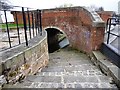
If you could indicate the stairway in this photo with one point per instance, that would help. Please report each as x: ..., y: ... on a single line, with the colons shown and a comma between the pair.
x: 67, y: 68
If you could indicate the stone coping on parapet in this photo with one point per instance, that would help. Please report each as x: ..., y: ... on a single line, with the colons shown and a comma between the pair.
x: 97, y: 21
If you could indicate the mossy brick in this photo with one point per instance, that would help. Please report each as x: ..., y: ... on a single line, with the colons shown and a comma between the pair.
x: 34, y: 49
x: 10, y: 62
x: 40, y: 48
x: 43, y: 42
x: 38, y: 52
x: 28, y: 54
x: 33, y: 54
x: 46, y: 45
x: 14, y: 61
x: 34, y: 57
x: 1, y: 68
x: 43, y: 49
x: 20, y: 59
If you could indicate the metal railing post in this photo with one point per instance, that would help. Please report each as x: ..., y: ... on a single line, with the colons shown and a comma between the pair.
x: 29, y: 22
x: 109, y: 30
x: 25, y: 26
x: 40, y: 20
x: 7, y: 28
x: 33, y: 23
x: 36, y: 21
x: 107, y: 24
x: 30, y: 19
x: 17, y: 27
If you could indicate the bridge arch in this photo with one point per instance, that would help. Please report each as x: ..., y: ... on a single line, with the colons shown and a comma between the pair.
x: 57, y: 28
x: 84, y: 28
x: 56, y: 38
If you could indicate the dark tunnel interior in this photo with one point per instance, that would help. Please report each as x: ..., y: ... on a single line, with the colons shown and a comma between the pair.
x: 54, y: 38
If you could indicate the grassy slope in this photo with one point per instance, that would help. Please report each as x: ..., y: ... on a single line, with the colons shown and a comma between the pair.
x: 3, y: 26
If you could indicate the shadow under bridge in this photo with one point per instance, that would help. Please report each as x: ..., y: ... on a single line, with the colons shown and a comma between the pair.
x: 56, y: 39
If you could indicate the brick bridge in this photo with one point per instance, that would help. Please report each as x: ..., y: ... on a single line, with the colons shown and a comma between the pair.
x: 83, y: 28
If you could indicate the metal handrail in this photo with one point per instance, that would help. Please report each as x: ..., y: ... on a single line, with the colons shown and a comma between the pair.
x: 108, y: 26
x: 28, y: 23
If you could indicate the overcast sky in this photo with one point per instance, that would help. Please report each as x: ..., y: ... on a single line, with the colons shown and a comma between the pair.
x: 110, y: 5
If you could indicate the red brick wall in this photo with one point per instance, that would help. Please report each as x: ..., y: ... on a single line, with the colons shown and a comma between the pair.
x: 77, y: 24
x: 20, y: 17
x: 105, y: 15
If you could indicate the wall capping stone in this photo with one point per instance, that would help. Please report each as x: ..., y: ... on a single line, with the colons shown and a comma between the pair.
x: 97, y: 21
x: 98, y: 24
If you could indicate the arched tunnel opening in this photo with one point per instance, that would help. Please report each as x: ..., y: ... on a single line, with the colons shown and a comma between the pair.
x: 56, y: 39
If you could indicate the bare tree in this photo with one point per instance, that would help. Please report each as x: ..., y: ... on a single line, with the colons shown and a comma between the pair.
x: 5, y: 4
x: 100, y: 9
x: 95, y: 8
x: 65, y: 5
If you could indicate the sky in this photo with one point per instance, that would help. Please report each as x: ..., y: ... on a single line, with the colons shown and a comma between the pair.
x: 109, y: 5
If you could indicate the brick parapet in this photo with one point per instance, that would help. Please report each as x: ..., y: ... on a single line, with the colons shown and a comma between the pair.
x: 84, y: 28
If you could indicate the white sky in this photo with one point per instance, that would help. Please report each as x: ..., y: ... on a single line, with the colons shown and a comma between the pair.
x: 110, y: 5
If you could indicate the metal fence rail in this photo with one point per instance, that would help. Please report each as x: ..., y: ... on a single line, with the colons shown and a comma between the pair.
x: 112, y: 21
x: 109, y: 49
x: 31, y: 20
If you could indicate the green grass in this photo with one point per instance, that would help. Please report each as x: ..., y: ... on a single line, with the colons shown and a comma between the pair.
x: 10, y: 25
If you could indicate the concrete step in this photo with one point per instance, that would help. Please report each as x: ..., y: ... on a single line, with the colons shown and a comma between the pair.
x: 74, y: 70
x: 69, y: 68
x: 73, y: 73
x: 54, y: 86
x: 68, y: 81
x: 106, y: 66
x: 99, y: 55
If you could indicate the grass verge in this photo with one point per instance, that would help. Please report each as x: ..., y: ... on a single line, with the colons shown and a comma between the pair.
x: 10, y: 25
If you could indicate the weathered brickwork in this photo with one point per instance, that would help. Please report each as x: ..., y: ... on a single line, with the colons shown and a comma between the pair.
x: 84, y: 28
x: 20, y: 17
x: 105, y: 15
x: 78, y: 24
